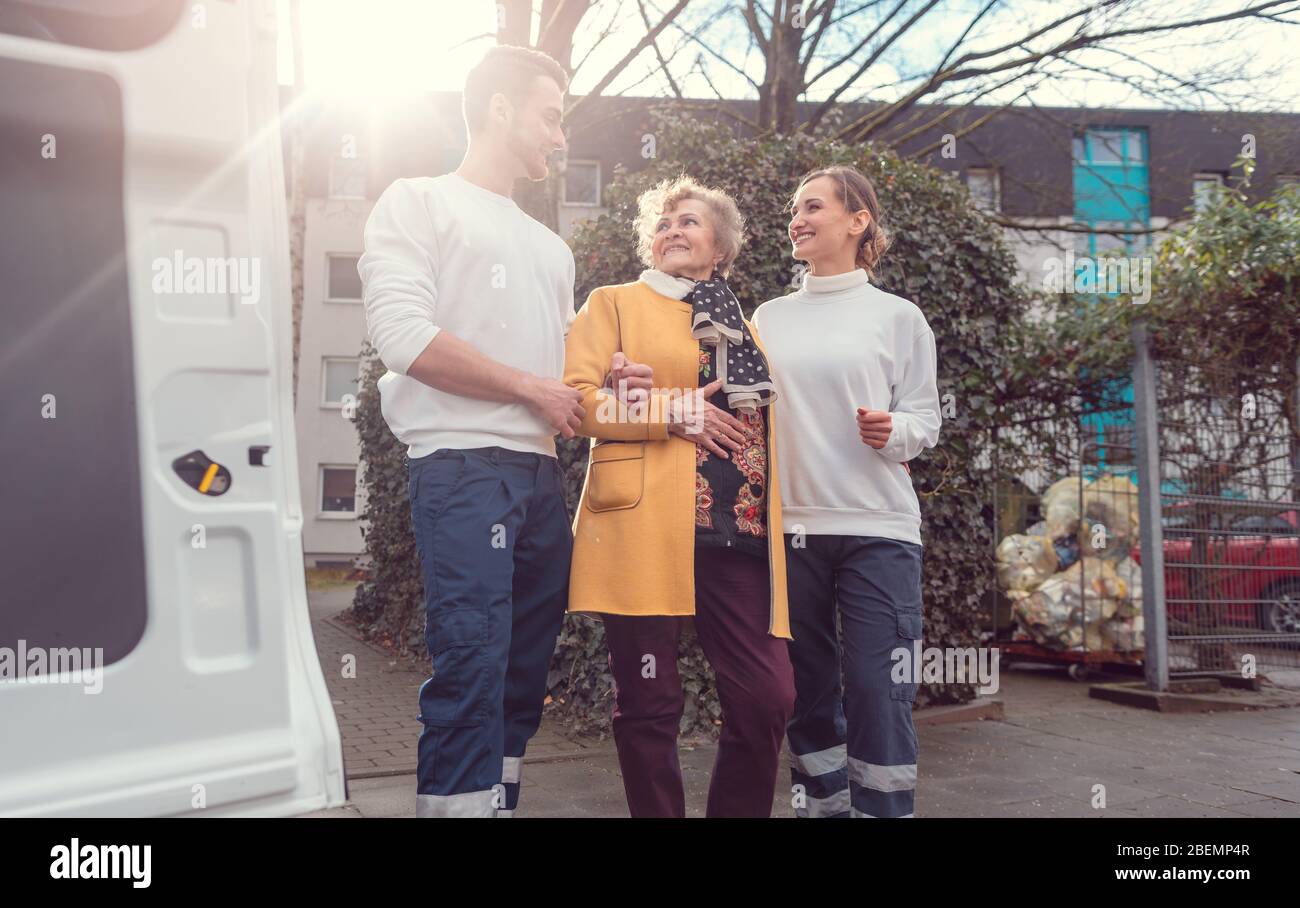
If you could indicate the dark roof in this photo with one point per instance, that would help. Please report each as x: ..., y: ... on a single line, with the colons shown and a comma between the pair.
x: 1031, y: 147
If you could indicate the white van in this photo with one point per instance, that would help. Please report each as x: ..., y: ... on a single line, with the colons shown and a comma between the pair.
x: 149, y: 502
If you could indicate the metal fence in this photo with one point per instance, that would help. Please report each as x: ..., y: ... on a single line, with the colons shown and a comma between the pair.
x: 1162, y: 533
x: 1223, y: 450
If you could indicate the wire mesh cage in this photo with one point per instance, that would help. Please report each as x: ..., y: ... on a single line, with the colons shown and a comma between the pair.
x: 1068, y: 564
x: 1229, y: 455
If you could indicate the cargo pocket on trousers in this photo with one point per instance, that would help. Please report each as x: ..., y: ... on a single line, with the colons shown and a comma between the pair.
x: 455, y: 693
x: 616, y: 476
x: 909, y: 631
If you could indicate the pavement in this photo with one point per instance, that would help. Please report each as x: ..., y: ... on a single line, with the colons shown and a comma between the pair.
x: 1046, y: 758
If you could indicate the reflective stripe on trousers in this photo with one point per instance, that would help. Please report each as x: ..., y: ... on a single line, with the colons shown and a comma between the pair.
x: 468, y: 804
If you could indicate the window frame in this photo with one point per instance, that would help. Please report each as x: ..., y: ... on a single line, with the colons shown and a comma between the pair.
x: 325, y: 402
x: 565, y: 191
x: 328, y: 296
x: 1214, y: 177
x: 320, y: 492
x: 996, y: 179
x: 1092, y: 136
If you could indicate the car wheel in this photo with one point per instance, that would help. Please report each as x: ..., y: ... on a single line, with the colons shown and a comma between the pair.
x: 1281, y: 614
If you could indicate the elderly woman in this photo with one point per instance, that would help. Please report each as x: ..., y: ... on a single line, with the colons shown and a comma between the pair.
x: 681, y: 512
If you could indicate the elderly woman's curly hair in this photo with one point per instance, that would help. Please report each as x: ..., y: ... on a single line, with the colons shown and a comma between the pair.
x: 727, y: 222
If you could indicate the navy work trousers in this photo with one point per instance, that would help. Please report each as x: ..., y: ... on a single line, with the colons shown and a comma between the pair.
x: 852, y: 743
x: 494, y: 542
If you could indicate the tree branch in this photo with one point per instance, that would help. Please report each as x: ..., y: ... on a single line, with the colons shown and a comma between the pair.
x: 629, y: 56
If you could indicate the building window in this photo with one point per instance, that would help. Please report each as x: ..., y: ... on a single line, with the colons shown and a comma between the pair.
x: 1110, y: 146
x: 1111, y: 181
x: 338, y: 491
x: 343, y: 283
x: 985, y: 188
x: 1205, y: 188
x: 339, y: 377
x: 347, y: 177
x: 582, y: 183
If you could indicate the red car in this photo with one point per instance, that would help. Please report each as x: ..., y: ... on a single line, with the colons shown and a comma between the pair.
x: 1247, y: 565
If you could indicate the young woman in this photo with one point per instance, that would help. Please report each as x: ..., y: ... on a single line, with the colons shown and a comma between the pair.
x: 854, y: 369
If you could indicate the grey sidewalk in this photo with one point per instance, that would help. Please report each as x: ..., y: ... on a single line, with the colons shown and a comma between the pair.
x: 1044, y: 759
x: 376, y: 708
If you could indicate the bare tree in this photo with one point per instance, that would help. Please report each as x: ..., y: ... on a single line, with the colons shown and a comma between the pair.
x: 826, y: 50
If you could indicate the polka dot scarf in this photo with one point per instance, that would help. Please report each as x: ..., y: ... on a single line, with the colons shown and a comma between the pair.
x: 717, y: 321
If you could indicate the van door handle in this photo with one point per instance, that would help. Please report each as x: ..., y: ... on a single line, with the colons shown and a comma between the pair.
x: 200, y: 472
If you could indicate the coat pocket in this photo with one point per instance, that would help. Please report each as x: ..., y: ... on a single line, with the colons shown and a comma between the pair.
x: 616, y: 476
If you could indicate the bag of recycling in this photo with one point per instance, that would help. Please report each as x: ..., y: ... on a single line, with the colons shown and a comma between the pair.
x: 1130, y: 572
x: 1060, y: 507
x: 1100, y: 589
x: 1068, y: 609
x: 1024, y: 561
x: 1108, y: 522
x: 1045, y: 614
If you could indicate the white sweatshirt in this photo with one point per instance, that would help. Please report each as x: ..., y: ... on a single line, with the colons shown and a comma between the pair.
x: 836, y: 345
x: 442, y: 252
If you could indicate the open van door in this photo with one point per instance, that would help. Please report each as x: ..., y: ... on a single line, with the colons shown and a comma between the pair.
x: 148, y: 490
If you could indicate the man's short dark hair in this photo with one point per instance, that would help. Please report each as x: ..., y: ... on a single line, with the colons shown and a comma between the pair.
x: 507, y: 70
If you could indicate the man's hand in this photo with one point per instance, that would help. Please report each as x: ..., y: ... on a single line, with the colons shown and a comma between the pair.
x: 874, y: 427
x: 639, y: 379
x: 555, y: 402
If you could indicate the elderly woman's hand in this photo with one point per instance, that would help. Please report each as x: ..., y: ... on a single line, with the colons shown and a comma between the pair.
x: 692, y: 417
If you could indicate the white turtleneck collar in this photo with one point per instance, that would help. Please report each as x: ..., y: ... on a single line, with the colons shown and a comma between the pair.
x: 834, y: 283
x: 667, y: 284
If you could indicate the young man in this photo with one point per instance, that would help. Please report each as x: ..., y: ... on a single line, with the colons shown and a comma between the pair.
x: 467, y: 301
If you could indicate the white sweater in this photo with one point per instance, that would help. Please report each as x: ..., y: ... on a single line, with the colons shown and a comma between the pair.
x: 836, y: 345
x: 442, y: 252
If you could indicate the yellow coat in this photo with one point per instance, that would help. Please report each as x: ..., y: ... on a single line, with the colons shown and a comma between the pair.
x: 634, y: 536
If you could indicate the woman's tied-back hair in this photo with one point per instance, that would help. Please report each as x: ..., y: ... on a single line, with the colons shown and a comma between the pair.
x: 856, y: 193
x: 726, y: 219
x: 509, y: 70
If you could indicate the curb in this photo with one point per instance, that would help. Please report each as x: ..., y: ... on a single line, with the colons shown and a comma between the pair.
x: 977, y: 710
x: 1197, y: 698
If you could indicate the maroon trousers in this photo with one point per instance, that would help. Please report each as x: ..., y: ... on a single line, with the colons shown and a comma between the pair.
x: 755, y: 688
